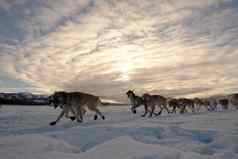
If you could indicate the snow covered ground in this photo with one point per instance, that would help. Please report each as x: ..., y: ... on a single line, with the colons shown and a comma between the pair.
x: 25, y: 134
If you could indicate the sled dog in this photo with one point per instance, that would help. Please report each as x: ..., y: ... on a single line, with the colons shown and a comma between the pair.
x: 76, y: 102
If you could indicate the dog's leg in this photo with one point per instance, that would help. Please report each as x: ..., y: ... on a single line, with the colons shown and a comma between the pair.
x: 97, y: 113
x: 182, y: 110
x: 152, y: 111
x: 193, y: 109
x: 174, y: 109
x: 72, y: 118
x: 161, y: 109
x: 80, y: 112
x: 146, y: 111
x: 58, y: 118
x: 166, y: 108
x: 75, y: 113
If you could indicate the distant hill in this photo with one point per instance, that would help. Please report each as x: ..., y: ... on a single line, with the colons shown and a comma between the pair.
x: 114, y: 104
x: 23, y: 98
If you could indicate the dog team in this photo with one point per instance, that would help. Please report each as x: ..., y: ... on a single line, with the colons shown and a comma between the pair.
x: 75, y: 103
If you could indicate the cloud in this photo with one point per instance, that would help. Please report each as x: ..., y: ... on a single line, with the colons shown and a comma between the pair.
x: 26, y: 20
x: 106, y: 47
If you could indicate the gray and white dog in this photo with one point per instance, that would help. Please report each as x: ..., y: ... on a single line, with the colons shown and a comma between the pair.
x: 151, y: 101
x: 76, y: 102
x: 135, y: 100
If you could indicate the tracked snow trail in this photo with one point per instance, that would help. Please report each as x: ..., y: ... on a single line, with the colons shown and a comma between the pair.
x: 24, y: 133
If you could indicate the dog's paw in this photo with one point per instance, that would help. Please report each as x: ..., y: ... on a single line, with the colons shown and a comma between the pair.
x: 53, y: 123
x: 72, y: 118
x: 79, y: 121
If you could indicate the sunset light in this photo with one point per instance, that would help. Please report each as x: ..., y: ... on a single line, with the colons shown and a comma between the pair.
x: 119, y: 79
x: 185, y: 48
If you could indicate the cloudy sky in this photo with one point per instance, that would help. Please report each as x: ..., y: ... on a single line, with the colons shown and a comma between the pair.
x: 105, y: 47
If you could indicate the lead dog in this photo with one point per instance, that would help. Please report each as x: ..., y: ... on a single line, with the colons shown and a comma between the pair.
x: 58, y: 99
x: 76, y: 102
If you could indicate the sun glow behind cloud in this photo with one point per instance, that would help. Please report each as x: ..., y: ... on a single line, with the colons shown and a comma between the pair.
x: 175, y: 48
